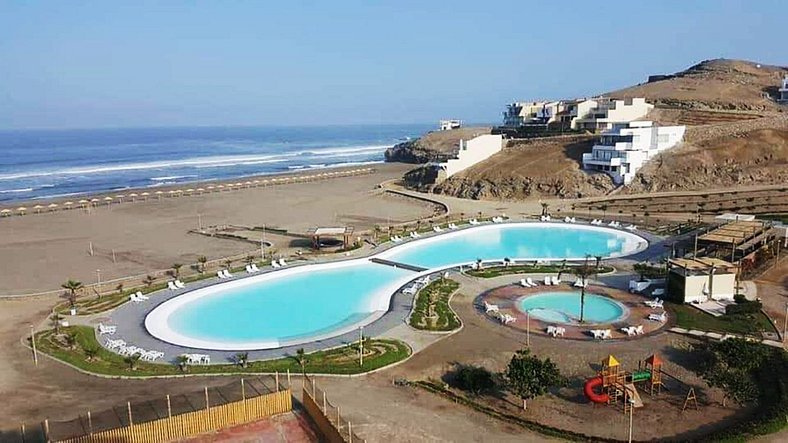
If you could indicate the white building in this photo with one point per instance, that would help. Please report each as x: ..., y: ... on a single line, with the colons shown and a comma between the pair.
x: 447, y: 125
x: 602, y: 114
x: 596, y: 114
x: 471, y: 152
x: 625, y: 149
x: 784, y: 91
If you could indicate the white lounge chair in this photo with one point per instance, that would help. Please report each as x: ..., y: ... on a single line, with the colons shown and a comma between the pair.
x: 547, y: 280
x: 105, y: 329
x: 473, y: 221
x: 254, y: 267
x: 556, y: 281
x: 531, y: 282
x: 661, y: 317
x: 567, y: 219
x: 452, y: 226
x: 282, y: 262
x: 629, y: 330
x: 524, y: 283
x: 657, y: 292
x: 437, y: 229
x: 275, y: 264
x: 639, y: 330
x: 220, y: 274
x: 171, y: 286
x: 631, y: 228
x: 134, y: 298
x: 248, y: 269
x: 556, y: 331
x: 488, y: 307
x: 227, y: 274
x: 179, y: 284
x: 141, y: 296
x: 506, y: 319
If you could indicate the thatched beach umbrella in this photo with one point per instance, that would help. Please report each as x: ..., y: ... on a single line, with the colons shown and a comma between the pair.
x: 120, y: 197
x: 21, y: 210
x: 200, y: 190
x: 52, y: 206
x: 108, y: 199
x: 145, y: 195
x: 133, y: 196
x: 94, y: 201
x: 220, y: 187
x: 83, y: 203
x: 5, y: 213
x: 158, y: 194
x: 210, y: 188
x: 68, y: 205
x: 38, y: 208
x: 189, y: 191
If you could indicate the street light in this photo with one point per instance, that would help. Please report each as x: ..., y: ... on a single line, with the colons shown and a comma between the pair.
x: 631, y: 414
x: 98, y: 280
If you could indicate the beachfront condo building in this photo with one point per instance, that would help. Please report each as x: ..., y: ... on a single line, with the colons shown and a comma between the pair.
x: 783, y: 91
x: 623, y: 150
x: 596, y: 114
x: 470, y: 152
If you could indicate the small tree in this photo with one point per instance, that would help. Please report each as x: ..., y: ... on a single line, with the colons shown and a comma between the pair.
x: 202, y: 260
x: 176, y: 269
x: 91, y: 352
x: 132, y: 360
x: 228, y: 264
x: 71, y: 340
x: 731, y: 366
x: 528, y: 376
x: 72, y: 286
x: 183, y: 362
x: 119, y: 288
x: 301, y: 359
x: 249, y: 259
x: 242, y: 359
x: 149, y: 280
x: 545, y: 207
x: 55, y: 319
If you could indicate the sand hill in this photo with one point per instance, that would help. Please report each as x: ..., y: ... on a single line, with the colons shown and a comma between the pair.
x: 736, y: 136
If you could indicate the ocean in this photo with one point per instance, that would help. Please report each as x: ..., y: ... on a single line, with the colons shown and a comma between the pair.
x: 48, y: 164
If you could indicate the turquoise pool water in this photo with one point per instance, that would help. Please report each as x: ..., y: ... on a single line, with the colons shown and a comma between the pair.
x: 538, y: 241
x: 564, y: 307
x: 307, y: 303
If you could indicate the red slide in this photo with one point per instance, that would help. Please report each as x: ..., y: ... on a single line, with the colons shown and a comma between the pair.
x: 591, y: 394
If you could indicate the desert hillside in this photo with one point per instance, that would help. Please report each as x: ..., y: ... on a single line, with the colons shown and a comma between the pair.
x: 721, y: 84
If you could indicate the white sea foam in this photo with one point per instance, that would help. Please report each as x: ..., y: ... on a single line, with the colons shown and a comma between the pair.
x: 200, y: 162
x: 16, y: 191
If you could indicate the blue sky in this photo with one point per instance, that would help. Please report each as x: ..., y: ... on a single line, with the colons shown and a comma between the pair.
x: 114, y: 63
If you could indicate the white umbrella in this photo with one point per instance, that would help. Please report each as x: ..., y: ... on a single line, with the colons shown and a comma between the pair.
x: 38, y: 208
x: 52, y: 206
x: 5, y: 212
x: 21, y: 209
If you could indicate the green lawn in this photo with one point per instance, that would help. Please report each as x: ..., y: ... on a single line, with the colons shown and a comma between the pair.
x: 377, y: 353
x: 688, y: 317
x: 431, y: 311
x: 781, y: 217
x: 527, y: 269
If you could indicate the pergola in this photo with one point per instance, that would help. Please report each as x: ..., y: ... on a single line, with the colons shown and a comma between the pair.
x: 738, y: 238
x: 344, y: 232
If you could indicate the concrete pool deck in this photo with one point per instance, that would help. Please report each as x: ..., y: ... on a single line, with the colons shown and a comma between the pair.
x: 130, y: 317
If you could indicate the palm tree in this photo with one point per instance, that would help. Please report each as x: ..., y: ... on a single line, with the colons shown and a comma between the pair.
x: 583, y: 272
x: 183, y: 362
x: 72, y: 286
x: 228, y: 264
x: 132, y: 360
x: 176, y: 269
x: 55, y: 318
x: 249, y: 259
x: 604, y: 210
x: 202, y: 260
x: 91, y: 352
x: 242, y: 358
x: 119, y: 288
x: 301, y: 359
x: 545, y: 206
x: 148, y: 280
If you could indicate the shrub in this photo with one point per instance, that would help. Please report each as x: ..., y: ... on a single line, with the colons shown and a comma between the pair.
x: 474, y: 379
x: 745, y: 307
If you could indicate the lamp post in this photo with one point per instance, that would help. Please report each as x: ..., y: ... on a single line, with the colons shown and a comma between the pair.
x: 33, y: 342
x: 98, y: 280
x: 527, y: 328
x: 631, y: 414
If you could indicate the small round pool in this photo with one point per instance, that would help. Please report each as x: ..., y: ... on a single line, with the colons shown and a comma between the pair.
x: 564, y: 307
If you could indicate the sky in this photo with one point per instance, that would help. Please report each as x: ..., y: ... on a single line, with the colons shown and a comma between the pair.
x: 80, y: 64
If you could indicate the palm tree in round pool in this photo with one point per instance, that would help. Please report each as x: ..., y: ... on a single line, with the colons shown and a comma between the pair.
x: 583, y: 272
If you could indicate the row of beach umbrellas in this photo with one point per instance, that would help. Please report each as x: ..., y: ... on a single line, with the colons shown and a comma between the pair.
x: 84, y: 203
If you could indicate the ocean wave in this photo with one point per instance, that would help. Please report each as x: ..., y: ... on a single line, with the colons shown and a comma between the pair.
x: 16, y: 191
x: 170, y: 177
x: 201, y: 162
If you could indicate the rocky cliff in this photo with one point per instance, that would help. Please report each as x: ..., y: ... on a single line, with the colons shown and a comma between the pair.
x: 433, y: 146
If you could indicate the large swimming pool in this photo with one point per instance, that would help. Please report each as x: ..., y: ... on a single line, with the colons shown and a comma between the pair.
x: 311, y: 302
x: 564, y: 307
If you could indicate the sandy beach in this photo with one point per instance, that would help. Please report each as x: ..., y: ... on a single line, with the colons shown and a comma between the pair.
x: 41, y: 251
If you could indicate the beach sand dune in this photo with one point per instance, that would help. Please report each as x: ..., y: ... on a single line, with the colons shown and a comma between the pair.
x: 41, y: 251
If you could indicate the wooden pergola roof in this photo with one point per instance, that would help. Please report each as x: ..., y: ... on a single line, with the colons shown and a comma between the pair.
x: 701, y: 263
x: 734, y: 232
